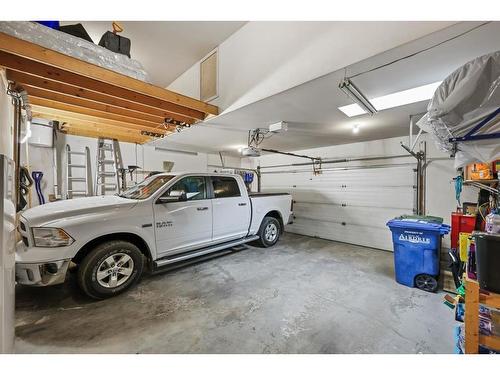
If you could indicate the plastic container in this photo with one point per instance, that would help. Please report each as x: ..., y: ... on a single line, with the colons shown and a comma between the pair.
x: 464, y: 246
x: 51, y: 24
x: 471, y: 261
x: 493, y: 222
x: 417, y: 247
x: 41, y: 133
x: 488, y: 260
x: 460, y: 223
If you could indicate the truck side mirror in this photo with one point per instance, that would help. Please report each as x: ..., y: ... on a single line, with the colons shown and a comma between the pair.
x: 169, y: 199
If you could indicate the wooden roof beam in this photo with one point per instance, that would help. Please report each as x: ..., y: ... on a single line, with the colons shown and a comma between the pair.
x: 66, y: 116
x: 105, y: 116
x: 38, y: 53
x: 103, y: 134
x: 29, y: 80
x: 61, y: 99
x: 99, y: 130
x: 22, y: 65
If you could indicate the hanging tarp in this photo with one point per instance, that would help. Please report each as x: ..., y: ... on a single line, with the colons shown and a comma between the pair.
x: 463, y: 116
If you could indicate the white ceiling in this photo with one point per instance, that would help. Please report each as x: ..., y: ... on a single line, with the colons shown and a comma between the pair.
x: 311, y: 109
x: 167, y: 49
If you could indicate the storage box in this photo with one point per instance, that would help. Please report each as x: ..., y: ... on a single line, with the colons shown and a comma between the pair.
x: 488, y: 260
x: 479, y: 171
x: 460, y: 223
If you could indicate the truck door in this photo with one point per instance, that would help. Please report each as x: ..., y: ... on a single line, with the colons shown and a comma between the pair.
x: 183, y: 216
x: 231, y: 209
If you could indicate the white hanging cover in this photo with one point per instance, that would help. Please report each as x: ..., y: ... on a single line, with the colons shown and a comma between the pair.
x: 465, y: 98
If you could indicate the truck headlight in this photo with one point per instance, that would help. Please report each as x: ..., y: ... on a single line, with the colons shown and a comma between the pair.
x: 51, y: 237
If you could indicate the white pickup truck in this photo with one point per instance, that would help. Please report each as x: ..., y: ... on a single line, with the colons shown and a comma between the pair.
x: 167, y: 218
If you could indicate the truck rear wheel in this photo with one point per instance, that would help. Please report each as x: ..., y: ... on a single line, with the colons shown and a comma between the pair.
x: 269, y: 232
x: 110, y: 268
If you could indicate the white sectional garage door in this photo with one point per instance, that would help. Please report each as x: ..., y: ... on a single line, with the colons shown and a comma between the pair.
x: 351, y: 205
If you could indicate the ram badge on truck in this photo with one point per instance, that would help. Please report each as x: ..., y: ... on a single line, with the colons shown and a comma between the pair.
x: 165, y: 219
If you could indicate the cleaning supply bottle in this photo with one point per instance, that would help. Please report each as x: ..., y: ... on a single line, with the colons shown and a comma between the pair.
x: 493, y: 222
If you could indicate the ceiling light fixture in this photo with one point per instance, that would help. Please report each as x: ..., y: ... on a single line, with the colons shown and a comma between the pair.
x: 355, y: 128
x: 239, y: 148
x: 353, y: 92
x: 414, y: 95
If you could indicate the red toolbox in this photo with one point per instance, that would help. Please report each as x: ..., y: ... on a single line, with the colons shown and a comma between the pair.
x: 460, y: 223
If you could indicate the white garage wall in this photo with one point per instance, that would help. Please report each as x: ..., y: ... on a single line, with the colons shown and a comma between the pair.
x: 363, y: 199
x: 264, y: 58
x: 145, y: 156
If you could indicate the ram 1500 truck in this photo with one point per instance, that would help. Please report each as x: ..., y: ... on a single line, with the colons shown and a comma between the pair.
x: 167, y: 218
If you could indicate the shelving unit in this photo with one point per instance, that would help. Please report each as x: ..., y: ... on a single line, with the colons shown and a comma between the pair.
x: 484, y: 184
x: 473, y: 297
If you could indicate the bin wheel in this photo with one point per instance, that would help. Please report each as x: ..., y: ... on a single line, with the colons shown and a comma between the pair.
x: 426, y: 282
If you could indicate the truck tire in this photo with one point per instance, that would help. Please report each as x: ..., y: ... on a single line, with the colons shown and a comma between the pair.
x: 269, y: 232
x: 110, y: 268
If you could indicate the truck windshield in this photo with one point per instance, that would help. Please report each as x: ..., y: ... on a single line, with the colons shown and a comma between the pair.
x: 146, y: 188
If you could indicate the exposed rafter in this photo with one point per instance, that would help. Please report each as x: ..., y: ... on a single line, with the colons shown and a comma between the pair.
x: 92, y: 99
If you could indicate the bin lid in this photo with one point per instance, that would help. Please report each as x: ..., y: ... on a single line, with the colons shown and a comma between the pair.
x: 488, y: 236
x: 420, y: 224
x: 429, y: 219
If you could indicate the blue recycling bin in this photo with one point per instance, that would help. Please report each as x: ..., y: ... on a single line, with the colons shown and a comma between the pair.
x: 417, y: 246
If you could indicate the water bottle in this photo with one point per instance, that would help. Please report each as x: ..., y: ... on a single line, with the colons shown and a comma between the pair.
x: 493, y: 222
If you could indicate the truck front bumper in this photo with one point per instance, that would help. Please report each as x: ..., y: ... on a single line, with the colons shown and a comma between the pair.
x: 42, y: 274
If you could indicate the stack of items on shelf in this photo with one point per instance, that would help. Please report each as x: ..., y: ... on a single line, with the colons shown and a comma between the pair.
x: 489, y: 325
x: 477, y: 267
x: 475, y: 253
x: 481, y: 218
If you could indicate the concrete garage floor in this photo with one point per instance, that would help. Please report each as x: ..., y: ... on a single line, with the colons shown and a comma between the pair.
x: 305, y: 295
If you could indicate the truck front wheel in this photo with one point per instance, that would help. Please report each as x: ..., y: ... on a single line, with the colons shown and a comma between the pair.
x: 269, y: 232
x: 110, y: 268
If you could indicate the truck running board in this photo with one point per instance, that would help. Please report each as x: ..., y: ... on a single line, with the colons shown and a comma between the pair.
x: 201, y: 252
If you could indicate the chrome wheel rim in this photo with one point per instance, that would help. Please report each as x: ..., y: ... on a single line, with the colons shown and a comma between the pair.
x: 271, y: 232
x: 115, y: 270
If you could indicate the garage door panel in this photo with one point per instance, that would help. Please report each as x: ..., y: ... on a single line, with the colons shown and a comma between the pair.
x: 374, y: 216
x: 393, y: 175
x: 373, y: 198
x: 361, y: 199
x: 358, y: 235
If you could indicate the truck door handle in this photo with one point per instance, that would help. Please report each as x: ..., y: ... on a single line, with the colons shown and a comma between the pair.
x: 202, y: 208
x: 242, y: 204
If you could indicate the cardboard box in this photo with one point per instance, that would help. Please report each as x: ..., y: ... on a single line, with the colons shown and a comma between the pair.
x: 479, y: 171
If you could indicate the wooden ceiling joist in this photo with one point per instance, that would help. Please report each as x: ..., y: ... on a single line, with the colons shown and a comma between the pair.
x: 81, y: 131
x: 92, y: 100
x: 46, y: 56
x: 55, y: 97
x: 106, y: 130
x: 50, y: 104
x: 30, y: 81
x: 67, y: 116
x: 19, y: 64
